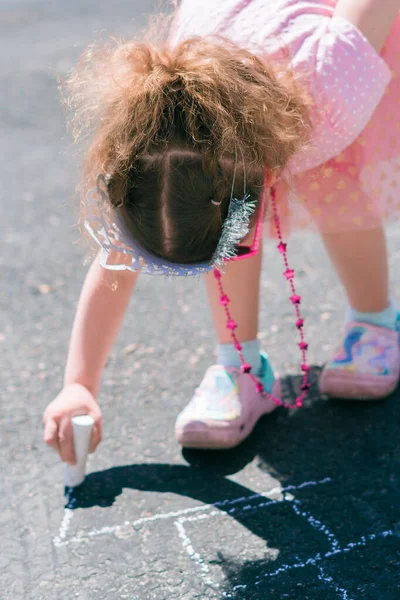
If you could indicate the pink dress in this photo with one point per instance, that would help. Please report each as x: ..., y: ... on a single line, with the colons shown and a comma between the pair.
x: 350, y: 177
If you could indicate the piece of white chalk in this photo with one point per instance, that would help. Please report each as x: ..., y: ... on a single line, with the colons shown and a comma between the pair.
x: 82, y: 427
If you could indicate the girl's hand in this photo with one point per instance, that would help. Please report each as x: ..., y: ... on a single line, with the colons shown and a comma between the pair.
x: 72, y: 401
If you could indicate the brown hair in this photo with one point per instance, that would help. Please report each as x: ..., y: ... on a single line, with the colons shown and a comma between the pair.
x: 178, y: 127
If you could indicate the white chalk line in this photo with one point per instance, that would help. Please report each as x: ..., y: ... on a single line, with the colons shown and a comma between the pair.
x: 316, y: 524
x: 67, y: 518
x: 328, y: 580
x: 68, y: 515
x: 233, y: 511
x: 59, y: 540
x: 333, y: 541
x: 362, y: 542
x: 193, y: 555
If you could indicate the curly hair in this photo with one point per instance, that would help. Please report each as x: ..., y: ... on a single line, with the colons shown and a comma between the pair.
x: 178, y: 126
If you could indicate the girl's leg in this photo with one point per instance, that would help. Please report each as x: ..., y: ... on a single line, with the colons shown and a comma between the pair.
x: 360, y: 260
x: 241, y: 281
x: 226, y: 406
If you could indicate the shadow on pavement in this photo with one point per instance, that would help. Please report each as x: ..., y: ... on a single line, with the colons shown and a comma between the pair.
x: 354, y: 445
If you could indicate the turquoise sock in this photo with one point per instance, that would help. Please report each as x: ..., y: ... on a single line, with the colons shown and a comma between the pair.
x: 268, y: 375
x: 388, y: 318
x: 228, y: 356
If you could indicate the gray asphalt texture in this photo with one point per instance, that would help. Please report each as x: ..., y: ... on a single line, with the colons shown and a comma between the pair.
x: 306, y: 508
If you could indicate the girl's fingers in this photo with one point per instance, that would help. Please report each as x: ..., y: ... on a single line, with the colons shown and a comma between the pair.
x: 97, y: 433
x: 66, y: 442
x: 50, y: 434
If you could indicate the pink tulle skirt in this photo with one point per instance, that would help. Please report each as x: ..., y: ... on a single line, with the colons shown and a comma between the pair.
x: 361, y: 186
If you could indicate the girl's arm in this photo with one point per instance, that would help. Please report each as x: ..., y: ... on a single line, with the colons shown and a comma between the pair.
x: 374, y: 18
x: 102, y: 304
x: 101, y: 308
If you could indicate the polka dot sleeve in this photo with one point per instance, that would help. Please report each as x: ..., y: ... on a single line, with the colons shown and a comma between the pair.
x: 348, y: 81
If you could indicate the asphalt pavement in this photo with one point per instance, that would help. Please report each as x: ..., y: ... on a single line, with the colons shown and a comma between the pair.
x: 306, y: 509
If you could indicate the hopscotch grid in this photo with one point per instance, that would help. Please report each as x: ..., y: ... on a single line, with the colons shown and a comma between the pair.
x: 181, y: 518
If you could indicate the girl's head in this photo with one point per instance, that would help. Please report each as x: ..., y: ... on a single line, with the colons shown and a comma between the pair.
x: 180, y: 131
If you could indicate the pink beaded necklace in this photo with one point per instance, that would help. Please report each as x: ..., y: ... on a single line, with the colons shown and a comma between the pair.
x: 294, y: 298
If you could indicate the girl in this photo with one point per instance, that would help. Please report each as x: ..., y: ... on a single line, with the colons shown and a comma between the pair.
x: 191, y: 141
